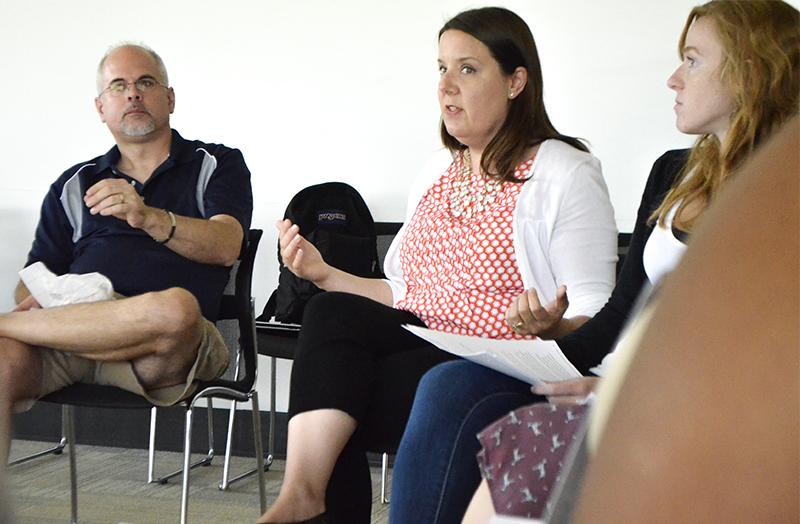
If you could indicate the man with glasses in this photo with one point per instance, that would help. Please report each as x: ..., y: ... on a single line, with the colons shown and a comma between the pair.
x: 163, y: 218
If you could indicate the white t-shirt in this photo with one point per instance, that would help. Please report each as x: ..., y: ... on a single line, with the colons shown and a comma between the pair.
x: 663, y: 250
x: 662, y: 253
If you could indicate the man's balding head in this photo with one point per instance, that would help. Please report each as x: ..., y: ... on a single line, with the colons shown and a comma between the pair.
x: 162, y: 69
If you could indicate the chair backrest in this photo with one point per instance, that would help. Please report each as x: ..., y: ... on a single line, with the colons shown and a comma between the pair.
x: 236, y: 321
x: 385, y: 231
x: 623, y: 243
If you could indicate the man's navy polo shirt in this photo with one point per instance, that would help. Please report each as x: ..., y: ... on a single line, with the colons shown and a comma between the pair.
x: 197, y: 180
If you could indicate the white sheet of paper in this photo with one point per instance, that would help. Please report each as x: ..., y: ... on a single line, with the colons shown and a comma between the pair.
x: 531, y: 361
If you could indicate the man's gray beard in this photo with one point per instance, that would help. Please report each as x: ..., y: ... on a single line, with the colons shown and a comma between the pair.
x: 138, y: 130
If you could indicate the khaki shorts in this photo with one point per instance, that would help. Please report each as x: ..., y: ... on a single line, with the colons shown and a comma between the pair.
x: 60, y: 369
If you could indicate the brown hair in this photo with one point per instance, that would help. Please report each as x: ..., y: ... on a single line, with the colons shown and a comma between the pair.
x: 511, y: 44
x: 761, y: 68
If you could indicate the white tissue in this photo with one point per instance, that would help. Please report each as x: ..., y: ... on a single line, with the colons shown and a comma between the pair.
x: 51, y: 290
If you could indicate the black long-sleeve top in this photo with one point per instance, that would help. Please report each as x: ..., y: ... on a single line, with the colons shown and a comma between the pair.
x: 586, y: 346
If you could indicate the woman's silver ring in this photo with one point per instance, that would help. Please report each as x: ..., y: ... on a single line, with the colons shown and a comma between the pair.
x: 517, y: 325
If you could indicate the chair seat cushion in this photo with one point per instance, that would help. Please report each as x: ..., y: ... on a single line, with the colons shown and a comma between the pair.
x: 97, y: 396
x: 279, y: 343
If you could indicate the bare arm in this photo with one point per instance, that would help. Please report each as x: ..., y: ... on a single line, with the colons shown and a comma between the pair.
x: 305, y: 261
x: 374, y: 288
x: 214, y: 241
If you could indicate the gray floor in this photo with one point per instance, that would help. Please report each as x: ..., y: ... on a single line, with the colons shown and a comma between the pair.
x: 112, y: 488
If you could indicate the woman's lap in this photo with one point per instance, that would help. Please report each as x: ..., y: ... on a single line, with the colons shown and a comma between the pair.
x: 354, y: 355
x: 436, y: 471
x: 343, y: 339
x: 522, y: 455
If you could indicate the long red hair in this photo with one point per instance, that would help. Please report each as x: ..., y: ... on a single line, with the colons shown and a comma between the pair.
x: 761, y: 67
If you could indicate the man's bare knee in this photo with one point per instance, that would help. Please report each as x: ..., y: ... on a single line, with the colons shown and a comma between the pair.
x: 178, y: 326
x: 177, y: 319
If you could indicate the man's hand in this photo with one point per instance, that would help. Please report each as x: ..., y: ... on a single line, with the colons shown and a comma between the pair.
x: 215, y: 240
x: 28, y: 303
x: 300, y: 255
x: 116, y: 197
x: 566, y: 392
x: 24, y: 299
x: 527, y: 316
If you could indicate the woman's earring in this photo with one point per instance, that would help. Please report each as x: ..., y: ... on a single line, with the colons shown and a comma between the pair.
x: 511, y: 94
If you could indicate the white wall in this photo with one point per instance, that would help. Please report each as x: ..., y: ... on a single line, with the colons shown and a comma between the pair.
x: 313, y: 90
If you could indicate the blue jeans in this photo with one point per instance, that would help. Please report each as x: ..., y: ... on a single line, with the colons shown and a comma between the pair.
x: 435, y: 473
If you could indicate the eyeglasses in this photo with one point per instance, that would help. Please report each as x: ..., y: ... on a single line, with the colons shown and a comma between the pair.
x: 143, y: 85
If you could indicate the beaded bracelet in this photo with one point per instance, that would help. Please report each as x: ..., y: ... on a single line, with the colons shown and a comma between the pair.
x: 172, y: 229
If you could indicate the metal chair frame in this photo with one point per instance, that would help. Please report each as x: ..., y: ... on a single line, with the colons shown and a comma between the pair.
x: 58, y: 449
x: 239, y: 307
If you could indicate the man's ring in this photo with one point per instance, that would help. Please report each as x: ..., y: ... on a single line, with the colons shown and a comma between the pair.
x: 517, y: 325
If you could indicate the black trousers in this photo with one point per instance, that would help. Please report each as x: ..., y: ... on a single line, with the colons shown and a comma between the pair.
x: 354, y: 356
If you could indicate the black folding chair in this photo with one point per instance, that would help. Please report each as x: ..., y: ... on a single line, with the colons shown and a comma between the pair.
x: 236, y: 324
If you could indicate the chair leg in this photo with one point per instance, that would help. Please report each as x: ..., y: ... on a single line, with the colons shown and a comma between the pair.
x: 210, y: 419
x: 273, y: 405
x: 262, y: 494
x: 187, y: 456
x: 58, y: 449
x: 226, y: 464
x: 266, y: 461
x: 151, y: 450
x: 267, y: 457
x: 385, y: 478
x: 205, y: 461
x: 68, y: 415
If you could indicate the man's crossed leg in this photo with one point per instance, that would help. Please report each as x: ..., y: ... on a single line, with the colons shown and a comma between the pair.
x: 144, y: 343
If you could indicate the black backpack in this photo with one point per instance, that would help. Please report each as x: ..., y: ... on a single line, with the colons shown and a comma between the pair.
x: 334, y: 218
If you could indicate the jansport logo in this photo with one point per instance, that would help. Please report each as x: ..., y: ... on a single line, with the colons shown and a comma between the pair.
x: 332, y: 217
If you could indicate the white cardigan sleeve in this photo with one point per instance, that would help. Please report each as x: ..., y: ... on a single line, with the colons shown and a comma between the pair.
x: 565, y: 229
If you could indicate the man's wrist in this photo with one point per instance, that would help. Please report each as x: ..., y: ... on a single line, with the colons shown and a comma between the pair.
x: 163, y: 224
x: 172, y: 225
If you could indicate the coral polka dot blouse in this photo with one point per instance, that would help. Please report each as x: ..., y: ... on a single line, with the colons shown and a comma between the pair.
x: 461, y: 271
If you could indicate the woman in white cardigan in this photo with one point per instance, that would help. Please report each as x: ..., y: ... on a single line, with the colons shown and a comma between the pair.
x: 511, y: 205
x: 552, y: 227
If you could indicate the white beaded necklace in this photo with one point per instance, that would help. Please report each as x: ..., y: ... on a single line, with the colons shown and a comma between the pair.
x: 463, y: 202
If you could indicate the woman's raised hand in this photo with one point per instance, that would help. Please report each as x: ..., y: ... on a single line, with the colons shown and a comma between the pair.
x: 527, y: 316
x: 300, y: 255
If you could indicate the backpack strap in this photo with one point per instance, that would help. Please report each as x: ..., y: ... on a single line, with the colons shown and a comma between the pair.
x: 269, y: 308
